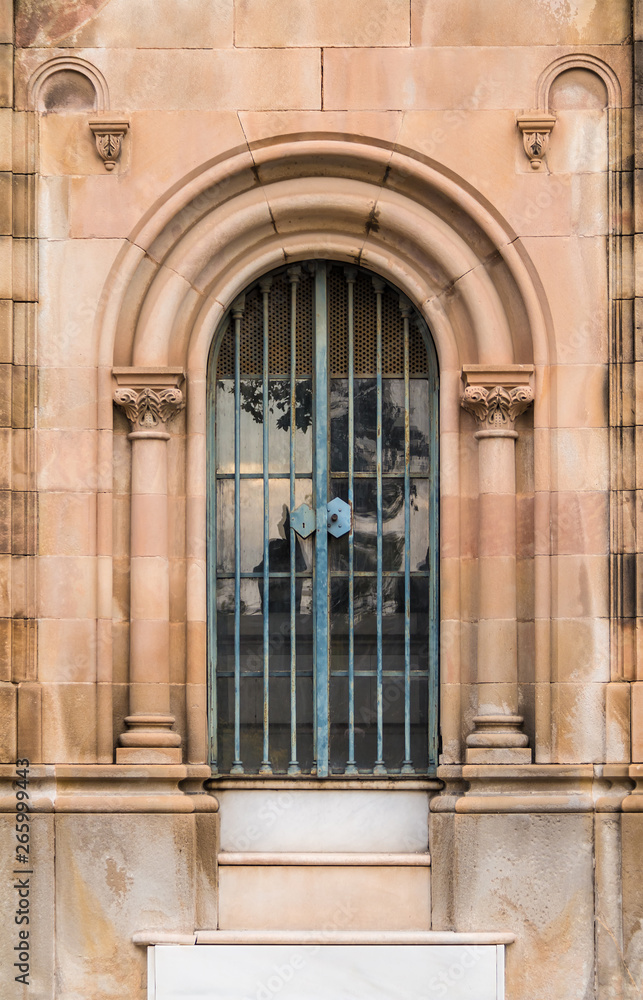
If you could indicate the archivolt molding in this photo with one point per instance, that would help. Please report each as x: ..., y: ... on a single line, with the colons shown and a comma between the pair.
x: 578, y: 60
x: 421, y: 227
x: 77, y: 65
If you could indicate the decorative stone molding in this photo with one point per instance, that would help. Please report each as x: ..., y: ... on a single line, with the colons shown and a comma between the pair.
x: 109, y: 140
x: 497, y: 396
x: 150, y: 397
x: 536, y: 129
x: 71, y: 64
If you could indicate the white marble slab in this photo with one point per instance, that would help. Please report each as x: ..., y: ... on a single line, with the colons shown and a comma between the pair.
x: 326, y: 972
x: 308, y: 820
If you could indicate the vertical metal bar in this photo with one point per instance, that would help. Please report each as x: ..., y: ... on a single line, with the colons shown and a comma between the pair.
x: 379, y: 768
x: 407, y: 764
x: 266, y: 767
x: 351, y: 274
x: 293, y: 765
x: 321, y: 533
x: 211, y: 529
x: 434, y: 598
x: 237, y: 765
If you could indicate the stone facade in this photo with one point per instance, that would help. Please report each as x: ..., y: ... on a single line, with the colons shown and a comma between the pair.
x: 158, y: 156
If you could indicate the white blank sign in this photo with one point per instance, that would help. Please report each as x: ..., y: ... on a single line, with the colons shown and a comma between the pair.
x: 326, y: 972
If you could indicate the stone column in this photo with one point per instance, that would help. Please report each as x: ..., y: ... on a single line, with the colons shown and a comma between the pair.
x: 496, y: 396
x: 150, y: 398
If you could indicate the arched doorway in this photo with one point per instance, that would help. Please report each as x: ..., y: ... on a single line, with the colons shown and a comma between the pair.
x: 323, y: 556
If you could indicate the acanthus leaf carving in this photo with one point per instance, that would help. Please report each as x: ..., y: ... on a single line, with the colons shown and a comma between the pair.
x: 109, y: 140
x: 498, y: 406
x: 147, y: 408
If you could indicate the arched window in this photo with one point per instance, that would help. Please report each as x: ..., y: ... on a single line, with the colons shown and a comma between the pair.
x: 323, y: 558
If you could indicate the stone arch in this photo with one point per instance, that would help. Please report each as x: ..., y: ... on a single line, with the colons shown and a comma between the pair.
x: 354, y: 200
x: 250, y: 211
x: 68, y: 67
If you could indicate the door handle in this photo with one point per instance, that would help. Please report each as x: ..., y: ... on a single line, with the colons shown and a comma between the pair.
x: 339, y: 518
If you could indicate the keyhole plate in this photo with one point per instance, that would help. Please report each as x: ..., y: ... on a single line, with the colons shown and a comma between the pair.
x: 302, y: 519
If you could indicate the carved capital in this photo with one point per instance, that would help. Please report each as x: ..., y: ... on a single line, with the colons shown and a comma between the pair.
x: 149, y: 396
x: 536, y: 130
x: 496, y: 396
x: 147, y: 408
x: 109, y: 140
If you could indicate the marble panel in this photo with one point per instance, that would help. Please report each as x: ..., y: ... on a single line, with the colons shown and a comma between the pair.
x: 367, y: 821
x: 344, y: 898
x: 236, y: 972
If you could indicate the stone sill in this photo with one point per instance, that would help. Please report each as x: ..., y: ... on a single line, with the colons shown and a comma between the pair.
x: 150, y: 938
x: 317, y: 858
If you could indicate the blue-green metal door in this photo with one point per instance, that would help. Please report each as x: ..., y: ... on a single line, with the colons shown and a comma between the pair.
x: 323, y: 637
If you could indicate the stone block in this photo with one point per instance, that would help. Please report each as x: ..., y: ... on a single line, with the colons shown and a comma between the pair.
x: 500, y: 22
x: 66, y: 587
x: 6, y: 21
x: 6, y: 331
x: 6, y: 76
x: 290, y: 897
x: 67, y: 650
x: 23, y: 523
x: 41, y: 907
x: 427, y: 78
x: 30, y: 722
x: 66, y: 460
x: 69, y: 723
x: 578, y: 723
x: 532, y: 874
x: 617, y: 723
x: 8, y: 722
x: 498, y: 755
x: 149, y: 755
x: 72, y: 275
x: 23, y: 395
x: 66, y: 524
x: 116, y: 875
x: 168, y: 24
x: 5, y: 649
x: 581, y: 456
x: 637, y: 722
x: 580, y: 649
x: 24, y: 205
x: 581, y: 586
x: 186, y: 79
x: 632, y: 841
x: 285, y: 23
x: 6, y: 212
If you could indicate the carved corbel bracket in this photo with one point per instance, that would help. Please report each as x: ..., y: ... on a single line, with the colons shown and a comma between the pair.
x: 496, y: 395
x: 109, y: 139
x: 149, y: 396
x: 536, y: 129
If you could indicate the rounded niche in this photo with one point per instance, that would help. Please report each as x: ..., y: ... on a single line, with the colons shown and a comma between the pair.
x: 67, y: 91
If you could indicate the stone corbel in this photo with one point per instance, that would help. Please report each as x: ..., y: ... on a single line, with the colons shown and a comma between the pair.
x: 109, y: 139
x: 536, y: 129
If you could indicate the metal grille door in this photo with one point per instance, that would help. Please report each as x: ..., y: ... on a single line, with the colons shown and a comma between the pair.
x: 323, y: 530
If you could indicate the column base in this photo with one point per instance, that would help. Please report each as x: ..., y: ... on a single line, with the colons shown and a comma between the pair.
x: 149, y: 740
x: 149, y: 755
x: 498, y: 739
x: 498, y: 755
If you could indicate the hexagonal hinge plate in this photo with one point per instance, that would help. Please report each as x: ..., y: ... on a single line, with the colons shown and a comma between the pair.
x: 338, y: 514
x: 339, y: 517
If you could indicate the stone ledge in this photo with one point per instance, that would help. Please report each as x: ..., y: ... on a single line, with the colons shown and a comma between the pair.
x: 535, y: 788
x: 150, y: 938
x: 111, y: 788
